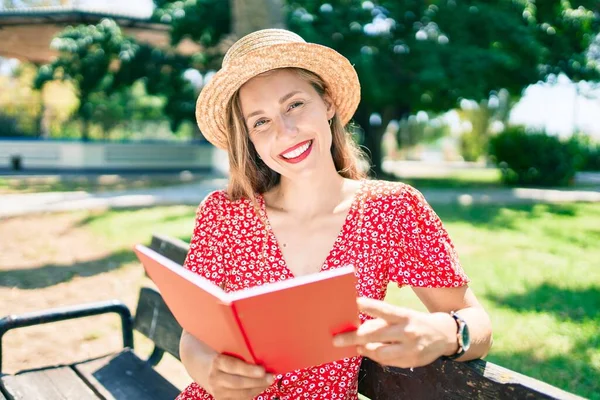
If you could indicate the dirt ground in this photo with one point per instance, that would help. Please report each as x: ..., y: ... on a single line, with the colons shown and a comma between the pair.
x: 50, y: 261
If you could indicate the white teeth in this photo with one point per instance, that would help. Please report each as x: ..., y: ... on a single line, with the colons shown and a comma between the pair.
x: 297, y: 152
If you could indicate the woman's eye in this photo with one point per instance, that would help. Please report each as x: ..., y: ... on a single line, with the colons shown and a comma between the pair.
x: 260, y: 122
x: 295, y: 105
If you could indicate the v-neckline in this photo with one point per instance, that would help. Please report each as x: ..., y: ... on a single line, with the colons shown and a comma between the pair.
x: 338, y: 238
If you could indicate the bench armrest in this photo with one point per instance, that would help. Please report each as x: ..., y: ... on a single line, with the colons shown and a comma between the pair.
x: 65, y: 313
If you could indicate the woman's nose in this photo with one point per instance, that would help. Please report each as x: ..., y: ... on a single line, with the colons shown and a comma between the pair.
x: 287, y: 126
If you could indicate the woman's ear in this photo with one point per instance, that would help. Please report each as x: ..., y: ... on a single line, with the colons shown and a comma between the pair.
x: 330, y: 106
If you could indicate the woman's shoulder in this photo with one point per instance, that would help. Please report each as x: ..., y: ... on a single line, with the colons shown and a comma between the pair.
x: 219, y: 202
x: 391, y: 191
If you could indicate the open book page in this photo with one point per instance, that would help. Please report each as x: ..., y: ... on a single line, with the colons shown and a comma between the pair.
x: 201, y: 308
x: 291, y: 324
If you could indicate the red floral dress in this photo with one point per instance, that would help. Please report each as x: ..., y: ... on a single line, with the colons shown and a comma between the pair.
x: 390, y: 234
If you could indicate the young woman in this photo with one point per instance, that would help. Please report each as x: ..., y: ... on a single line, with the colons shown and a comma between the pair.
x: 298, y: 204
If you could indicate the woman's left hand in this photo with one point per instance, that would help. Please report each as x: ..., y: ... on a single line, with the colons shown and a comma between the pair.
x: 401, y: 337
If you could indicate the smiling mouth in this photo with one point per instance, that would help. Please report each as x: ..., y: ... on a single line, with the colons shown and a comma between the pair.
x: 297, y: 151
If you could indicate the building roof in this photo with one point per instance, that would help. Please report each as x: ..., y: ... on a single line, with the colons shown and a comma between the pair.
x: 139, y: 10
x: 26, y: 31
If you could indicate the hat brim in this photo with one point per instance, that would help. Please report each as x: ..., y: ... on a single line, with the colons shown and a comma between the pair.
x: 337, y: 72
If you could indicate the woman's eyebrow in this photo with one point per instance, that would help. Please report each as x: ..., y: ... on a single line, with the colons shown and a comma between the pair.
x: 253, y: 114
x: 287, y: 96
x: 281, y: 100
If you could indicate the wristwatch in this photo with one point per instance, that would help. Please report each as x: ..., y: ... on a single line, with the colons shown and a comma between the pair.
x: 462, y: 336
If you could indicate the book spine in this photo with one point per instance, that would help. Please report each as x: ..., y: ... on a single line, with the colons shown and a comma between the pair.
x: 238, y: 321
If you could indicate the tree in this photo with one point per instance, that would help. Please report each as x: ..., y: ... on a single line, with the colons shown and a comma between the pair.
x: 415, y: 55
x: 420, y: 128
x: 20, y: 107
x: 483, y: 118
x: 120, y: 108
x: 88, y: 56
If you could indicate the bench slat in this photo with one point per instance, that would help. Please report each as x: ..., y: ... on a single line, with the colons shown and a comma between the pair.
x: 445, y: 379
x: 174, y: 249
x: 124, y: 376
x: 60, y: 383
x: 154, y: 320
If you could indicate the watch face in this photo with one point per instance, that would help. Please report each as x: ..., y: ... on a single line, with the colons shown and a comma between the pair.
x: 466, y: 338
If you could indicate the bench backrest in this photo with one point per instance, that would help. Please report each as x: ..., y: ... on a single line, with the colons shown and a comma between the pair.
x: 443, y: 379
x: 154, y: 320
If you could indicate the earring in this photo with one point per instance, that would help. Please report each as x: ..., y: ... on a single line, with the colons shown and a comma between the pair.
x: 330, y: 121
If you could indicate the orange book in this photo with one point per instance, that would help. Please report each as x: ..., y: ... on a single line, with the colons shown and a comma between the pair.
x: 282, y: 326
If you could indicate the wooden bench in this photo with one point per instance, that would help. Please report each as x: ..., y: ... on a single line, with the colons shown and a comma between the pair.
x: 124, y: 375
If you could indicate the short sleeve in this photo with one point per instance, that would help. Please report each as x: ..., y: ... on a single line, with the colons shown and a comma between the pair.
x: 422, y: 253
x: 205, y: 256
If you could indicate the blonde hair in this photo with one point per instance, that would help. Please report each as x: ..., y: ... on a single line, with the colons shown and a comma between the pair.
x: 249, y: 175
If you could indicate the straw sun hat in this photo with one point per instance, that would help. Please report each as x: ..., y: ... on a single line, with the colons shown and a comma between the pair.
x: 265, y: 50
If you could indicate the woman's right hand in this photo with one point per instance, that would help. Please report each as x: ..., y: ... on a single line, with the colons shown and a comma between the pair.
x: 232, y: 378
x: 224, y: 377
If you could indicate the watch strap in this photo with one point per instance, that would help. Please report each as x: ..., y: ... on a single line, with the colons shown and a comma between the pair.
x: 460, y: 326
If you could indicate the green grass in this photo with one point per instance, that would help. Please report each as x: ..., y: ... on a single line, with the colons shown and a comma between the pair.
x: 472, y: 178
x: 459, y: 179
x: 535, y: 268
x: 137, y: 225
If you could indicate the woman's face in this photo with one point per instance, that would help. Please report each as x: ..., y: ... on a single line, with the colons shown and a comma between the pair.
x: 287, y: 121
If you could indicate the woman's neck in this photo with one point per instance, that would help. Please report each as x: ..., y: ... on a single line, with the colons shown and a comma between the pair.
x: 310, y: 197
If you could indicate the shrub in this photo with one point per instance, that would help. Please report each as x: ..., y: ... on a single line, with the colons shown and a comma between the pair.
x: 591, y: 158
x: 9, y: 126
x: 533, y: 158
x: 588, y: 152
x: 473, y: 145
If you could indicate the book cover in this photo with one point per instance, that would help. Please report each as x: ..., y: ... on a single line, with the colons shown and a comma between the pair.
x: 282, y: 326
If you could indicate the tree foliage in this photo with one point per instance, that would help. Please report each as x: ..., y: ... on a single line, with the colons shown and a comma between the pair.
x: 89, y: 57
x: 19, y: 105
x: 415, y: 55
x: 204, y: 21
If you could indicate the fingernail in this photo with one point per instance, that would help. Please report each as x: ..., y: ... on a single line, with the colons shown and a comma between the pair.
x: 338, y: 341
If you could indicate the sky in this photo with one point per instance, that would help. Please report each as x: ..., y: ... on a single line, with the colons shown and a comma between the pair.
x: 559, y: 109
x: 142, y: 7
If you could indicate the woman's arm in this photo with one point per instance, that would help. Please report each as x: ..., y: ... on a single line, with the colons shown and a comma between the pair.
x: 224, y: 377
x: 407, y: 338
x: 462, y: 300
x: 196, y: 357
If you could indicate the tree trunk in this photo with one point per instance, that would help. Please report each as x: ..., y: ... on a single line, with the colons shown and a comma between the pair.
x: 85, y: 129
x: 371, y: 139
x: 251, y: 15
x: 43, y: 122
x: 373, y: 135
x: 85, y: 114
